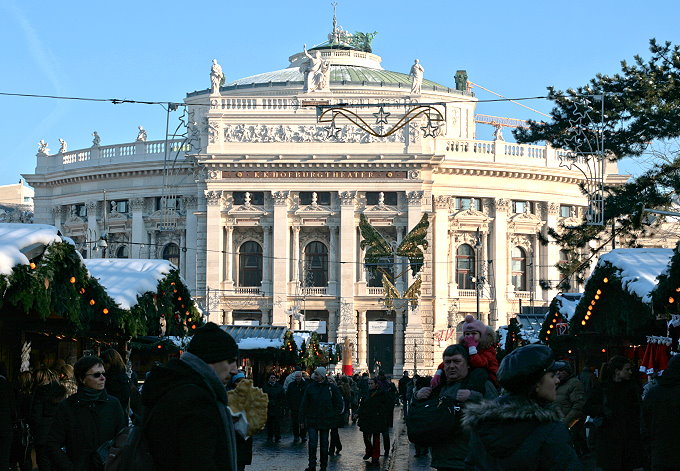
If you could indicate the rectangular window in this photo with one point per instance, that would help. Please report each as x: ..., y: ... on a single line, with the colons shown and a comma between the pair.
x: 388, y: 198
x: 565, y: 211
x: 462, y: 203
x: 121, y: 206
x: 169, y: 202
x: 521, y: 207
x: 252, y: 197
x: 322, y: 197
x: 81, y: 210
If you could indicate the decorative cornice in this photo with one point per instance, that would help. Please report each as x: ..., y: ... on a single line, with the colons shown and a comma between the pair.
x: 213, y: 197
x: 502, y: 204
x: 553, y: 208
x: 524, y: 174
x: 442, y: 202
x: 137, y: 204
x: 414, y: 198
x: 99, y: 174
x: 347, y: 198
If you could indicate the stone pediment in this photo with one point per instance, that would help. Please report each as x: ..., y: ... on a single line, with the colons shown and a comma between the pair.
x: 469, y: 220
x: 381, y: 210
x: 571, y: 222
x: 163, y: 215
x: 247, y: 210
x: 524, y: 222
x: 314, y: 210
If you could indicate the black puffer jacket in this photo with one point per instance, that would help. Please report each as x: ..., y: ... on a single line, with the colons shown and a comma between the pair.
x: 44, y: 403
x: 276, y: 396
x: 321, y: 405
x: 294, y: 394
x: 375, y: 410
x: 80, y: 426
x: 513, y: 433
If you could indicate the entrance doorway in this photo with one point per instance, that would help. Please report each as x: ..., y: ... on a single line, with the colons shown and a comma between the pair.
x: 381, y: 346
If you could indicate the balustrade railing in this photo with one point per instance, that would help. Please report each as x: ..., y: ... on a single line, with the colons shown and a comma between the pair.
x: 135, y: 151
x: 247, y: 290
x: 467, y: 293
x: 375, y: 291
x: 501, y: 150
x: 314, y: 290
x: 522, y: 295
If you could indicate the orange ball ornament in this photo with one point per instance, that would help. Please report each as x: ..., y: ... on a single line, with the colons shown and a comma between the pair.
x: 91, y: 302
x: 72, y: 280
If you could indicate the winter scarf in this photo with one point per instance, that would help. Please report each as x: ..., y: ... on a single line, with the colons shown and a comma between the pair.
x: 214, y: 383
x: 86, y: 394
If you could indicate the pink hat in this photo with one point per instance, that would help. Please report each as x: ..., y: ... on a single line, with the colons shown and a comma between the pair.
x: 473, y: 325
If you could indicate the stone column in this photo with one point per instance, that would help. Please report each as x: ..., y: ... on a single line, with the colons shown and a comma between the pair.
x: 332, y: 325
x: 191, y: 205
x: 362, y: 254
x: 296, y: 260
x: 266, y: 261
x: 550, y: 254
x: 281, y: 257
x: 214, y: 234
x: 93, y: 232
x: 57, y: 211
x: 347, y: 247
x: 362, y: 340
x: 500, y: 257
x: 398, y: 343
x: 413, y: 334
x: 332, y: 261
x: 138, y: 233
x: 229, y: 257
x: 228, y: 317
x: 440, y: 257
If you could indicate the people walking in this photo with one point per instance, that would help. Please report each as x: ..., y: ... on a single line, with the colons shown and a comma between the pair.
x: 403, y: 385
x: 616, y: 400
x: 660, y: 419
x: 294, y: 393
x: 22, y: 443
x: 569, y: 402
x: 320, y: 406
x: 373, y: 418
x: 334, y: 444
x: 85, y: 420
x: 520, y: 430
x: 187, y: 421
x: 464, y: 385
x: 117, y: 380
x: 47, y: 395
x: 7, y: 414
x: 276, y: 396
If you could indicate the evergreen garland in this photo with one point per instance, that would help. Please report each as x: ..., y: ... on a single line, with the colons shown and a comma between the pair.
x: 552, y: 318
x: 666, y: 295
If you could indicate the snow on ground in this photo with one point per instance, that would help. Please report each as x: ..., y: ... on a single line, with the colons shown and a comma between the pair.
x: 124, y: 279
x: 638, y: 268
x: 16, y: 238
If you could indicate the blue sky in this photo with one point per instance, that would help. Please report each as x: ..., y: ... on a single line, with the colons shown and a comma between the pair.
x: 159, y: 51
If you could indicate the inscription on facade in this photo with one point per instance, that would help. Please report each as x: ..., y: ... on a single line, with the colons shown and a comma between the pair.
x: 316, y: 175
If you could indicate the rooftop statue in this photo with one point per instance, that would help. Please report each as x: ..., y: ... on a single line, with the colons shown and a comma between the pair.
x: 141, y: 135
x: 417, y: 72
x: 216, y: 78
x: 461, y: 79
x: 62, y: 146
x: 42, y: 147
x: 96, y: 140
x: 317, y: 72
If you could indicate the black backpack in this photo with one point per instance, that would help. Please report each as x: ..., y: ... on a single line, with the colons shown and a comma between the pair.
x: 129, y: 451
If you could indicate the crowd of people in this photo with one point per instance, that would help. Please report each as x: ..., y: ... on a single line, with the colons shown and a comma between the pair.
x: 530, y: 412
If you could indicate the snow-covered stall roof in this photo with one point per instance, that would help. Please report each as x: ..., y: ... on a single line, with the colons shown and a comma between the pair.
x: 566, y: 304
x: 638, y: 268
x: 124, y: 279
x: 256, y: 337
x: 20, y: 242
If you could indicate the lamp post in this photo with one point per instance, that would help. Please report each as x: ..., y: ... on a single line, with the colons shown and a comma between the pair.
x: 478, y: 278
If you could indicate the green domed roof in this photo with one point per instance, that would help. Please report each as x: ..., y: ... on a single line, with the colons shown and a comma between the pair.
x: 340, y: 75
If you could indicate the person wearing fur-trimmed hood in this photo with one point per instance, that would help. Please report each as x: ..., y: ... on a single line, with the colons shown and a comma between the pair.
x: 521, y: 430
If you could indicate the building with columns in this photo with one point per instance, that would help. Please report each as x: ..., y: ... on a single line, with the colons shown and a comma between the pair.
x: 261, y: 206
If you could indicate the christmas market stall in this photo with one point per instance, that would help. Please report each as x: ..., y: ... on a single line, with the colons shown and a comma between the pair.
x: 555, y: 328
x: 665, y: 299
x: 157, y: 303
x: 614, y: 315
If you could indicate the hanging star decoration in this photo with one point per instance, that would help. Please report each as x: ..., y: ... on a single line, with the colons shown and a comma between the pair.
x: 380, y: 258
x: 332, y: 131
x: 381, y: 116
x: 430, y: 129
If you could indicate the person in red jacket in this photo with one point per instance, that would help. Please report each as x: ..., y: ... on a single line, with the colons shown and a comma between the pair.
x: 479, y: 340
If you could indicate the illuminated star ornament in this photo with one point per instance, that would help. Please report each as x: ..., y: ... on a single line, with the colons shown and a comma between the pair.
x: 381, y: 116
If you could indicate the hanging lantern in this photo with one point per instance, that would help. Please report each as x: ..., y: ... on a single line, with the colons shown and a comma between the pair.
x: 72, y: 280
x: 606, y: 280
x: 91, y: 302
x: 105, y: 311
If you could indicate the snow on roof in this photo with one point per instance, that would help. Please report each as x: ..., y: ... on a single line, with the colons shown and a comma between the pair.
x: 255, y: 343
x: 638, y: 268
x: 566, y: 304
x: 124, y: 279
x: 18, y: 239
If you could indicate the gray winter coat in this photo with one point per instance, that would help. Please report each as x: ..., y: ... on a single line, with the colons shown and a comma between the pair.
x: 513, y: 433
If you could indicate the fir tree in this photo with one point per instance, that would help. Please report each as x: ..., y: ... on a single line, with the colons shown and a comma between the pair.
x: 514, y: 338
x: 290, y: 350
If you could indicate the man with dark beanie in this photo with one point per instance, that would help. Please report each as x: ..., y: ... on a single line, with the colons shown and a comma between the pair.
x: 186, y: 420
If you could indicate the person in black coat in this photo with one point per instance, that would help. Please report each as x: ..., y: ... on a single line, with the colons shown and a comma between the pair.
x: 374, y: 410
x: 294, y: 393
x: 520, y: 430
x: 47, y: 395
x: 617, y: 401
x: 319, y: 410
x: 276, y: 395
x: 85, y: 420
x: 660, y: 419
x: 244, y: 445
x: 22, y: 446
x: 7, y: 413
x: 117, y: 380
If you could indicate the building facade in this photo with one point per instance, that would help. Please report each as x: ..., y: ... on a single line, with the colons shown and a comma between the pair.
x: 259, y: 206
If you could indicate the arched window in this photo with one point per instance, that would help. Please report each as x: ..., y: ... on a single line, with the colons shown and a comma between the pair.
x: 465, y: 267
x: 171, y: 254
x: 519, y: 269
x: 316, y: 265
x: 250, y: 264
x: 122, y: 252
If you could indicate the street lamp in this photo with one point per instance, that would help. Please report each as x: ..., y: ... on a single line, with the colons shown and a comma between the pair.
x: 478, y: 278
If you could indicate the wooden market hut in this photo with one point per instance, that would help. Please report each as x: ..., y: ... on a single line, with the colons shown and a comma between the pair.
x: 64, y: 305
x: 615, y: 311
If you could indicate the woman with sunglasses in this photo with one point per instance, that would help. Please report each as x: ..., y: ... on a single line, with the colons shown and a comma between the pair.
x: 85, y: 420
